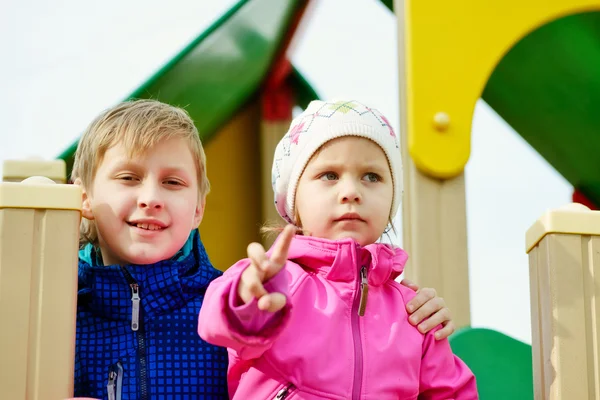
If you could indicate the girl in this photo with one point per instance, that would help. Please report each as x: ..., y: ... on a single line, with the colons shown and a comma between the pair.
x: 320, y: 315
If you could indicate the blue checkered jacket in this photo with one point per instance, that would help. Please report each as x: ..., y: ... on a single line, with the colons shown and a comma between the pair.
x: 137, y: 335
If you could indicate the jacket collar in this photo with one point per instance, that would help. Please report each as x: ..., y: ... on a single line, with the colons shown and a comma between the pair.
x: 163, y: 286
x: 341, y: 260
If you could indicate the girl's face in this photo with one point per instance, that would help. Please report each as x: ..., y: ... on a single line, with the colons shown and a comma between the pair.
x: 346, y: 191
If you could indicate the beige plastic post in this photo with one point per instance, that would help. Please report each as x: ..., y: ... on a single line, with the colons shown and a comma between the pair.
x: 435, y: 237
x: 17, y: 170
x: 39, y: 225
x: 564, y: 268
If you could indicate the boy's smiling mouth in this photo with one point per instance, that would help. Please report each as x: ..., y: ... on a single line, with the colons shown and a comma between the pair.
x: 147, y: 225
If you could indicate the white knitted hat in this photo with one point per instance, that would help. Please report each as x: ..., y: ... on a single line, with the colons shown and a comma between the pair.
x: 319, y: 123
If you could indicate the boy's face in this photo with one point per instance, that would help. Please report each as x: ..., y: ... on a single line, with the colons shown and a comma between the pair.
x: 144, y: 207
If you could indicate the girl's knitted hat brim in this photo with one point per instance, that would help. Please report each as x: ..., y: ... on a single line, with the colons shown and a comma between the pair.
x: 320, y: 123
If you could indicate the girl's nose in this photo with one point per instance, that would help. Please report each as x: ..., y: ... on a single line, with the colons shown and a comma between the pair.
x: 349, y: 192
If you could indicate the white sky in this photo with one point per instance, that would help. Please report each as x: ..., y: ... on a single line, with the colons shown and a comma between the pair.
x: 66, y: 60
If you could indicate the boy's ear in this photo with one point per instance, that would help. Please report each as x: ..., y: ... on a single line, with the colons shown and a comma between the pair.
x: 86, y: 205
x: 199, y: 212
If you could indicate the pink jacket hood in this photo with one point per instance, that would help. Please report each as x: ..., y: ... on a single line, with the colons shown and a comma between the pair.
x: 324, y: 257
x: 320, y: 346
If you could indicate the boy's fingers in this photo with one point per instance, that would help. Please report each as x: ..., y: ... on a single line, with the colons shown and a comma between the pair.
x: 410, y: 284
x: 272, y: 302
x: 427, y: 310
x: 436, y: 319
x: 446, y: 331
x: 256, y: 254
x: 422, y: 297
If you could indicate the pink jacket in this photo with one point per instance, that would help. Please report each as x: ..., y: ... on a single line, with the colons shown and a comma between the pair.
x: 318, y: 346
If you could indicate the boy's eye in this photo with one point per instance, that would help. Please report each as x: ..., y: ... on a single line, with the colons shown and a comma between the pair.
x: 127, y: 178
x: 328, y: 176
x: 173, y: 182
x: 372, y: 177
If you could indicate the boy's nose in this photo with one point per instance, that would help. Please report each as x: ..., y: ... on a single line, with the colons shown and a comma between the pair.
x: 150, y: 203
x: 150, y: 198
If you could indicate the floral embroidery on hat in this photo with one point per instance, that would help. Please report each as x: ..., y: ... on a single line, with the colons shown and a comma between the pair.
x: 295, y: 133
x: 342, y: 106
x: 392, y: 133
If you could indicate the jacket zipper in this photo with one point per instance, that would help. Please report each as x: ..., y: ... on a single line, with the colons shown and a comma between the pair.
x: 358, y: 310
x: 115, y: 381
x: 135, y: 306
x: 285, y: 392
x: 364, y: 291
x: 137, y: 326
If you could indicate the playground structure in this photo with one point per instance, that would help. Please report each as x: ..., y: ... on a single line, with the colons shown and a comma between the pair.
x: 520, y: 60
x: 18, y: 170
x: 39, y: 239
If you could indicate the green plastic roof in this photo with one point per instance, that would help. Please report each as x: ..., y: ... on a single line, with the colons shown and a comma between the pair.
x: 547, y: 88
x: 221, y: 69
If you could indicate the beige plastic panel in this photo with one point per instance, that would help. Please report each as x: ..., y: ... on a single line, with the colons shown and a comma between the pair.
x: 564, y: 270
x: 17, y: 170
x: 40, y: 192
x: 435, y: 237
x: 573, y: 218
x: 38, y: 289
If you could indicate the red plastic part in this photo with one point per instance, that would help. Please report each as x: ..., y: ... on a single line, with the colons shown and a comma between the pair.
x: 278, y: 95
x: 580, y: 198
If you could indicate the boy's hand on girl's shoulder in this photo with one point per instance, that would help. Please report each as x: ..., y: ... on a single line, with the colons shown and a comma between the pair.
x: 427, y: 311
x: 263, y: 268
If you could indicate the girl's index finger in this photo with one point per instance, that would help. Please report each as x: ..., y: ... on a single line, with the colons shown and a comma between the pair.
x: 280, y: 251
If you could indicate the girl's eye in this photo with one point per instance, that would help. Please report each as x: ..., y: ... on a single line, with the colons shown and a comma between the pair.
x: 328, y: 176
x: 372, y: 177
x: 127, y: 178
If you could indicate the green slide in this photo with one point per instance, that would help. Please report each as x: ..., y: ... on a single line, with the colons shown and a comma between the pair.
x: 501, y: 364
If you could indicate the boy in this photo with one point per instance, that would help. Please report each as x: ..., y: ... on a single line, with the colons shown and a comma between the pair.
x: 143, y: 269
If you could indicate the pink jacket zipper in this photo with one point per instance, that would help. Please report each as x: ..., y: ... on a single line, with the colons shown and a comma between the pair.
x: 358, y: 308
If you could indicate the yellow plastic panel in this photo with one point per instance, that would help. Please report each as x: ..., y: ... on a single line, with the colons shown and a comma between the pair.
x: 450, y: 50
x: 233, y: 208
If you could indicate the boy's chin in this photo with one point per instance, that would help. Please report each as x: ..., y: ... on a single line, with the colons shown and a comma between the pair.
x: 148, y: 258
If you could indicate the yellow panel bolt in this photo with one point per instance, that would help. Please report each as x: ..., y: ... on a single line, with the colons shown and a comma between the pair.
x: 441, y: 121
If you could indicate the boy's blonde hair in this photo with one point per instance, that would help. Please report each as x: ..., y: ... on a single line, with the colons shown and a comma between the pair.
x: 139, y: 125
